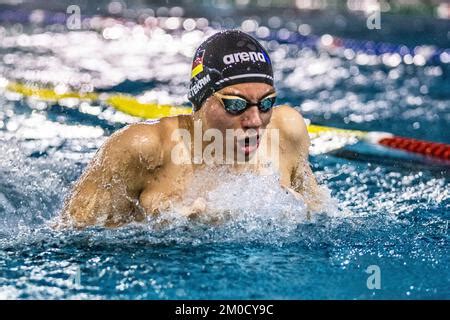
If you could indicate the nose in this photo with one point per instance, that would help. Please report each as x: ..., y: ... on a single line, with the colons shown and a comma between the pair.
x: 251, y: 118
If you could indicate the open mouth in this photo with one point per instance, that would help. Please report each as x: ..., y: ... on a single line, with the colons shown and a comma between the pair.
x: 248, y: 145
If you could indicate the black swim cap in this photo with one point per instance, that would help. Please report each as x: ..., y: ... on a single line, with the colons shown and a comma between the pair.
x: 226, y: 58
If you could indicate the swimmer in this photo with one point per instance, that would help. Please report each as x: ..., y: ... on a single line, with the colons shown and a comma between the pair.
x: 137, y: 173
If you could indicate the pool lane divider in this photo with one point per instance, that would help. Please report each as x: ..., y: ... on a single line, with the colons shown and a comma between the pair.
x: 434, y: 150
x: 430, y: 53
x: 132, y: 106
x: 124, y: 103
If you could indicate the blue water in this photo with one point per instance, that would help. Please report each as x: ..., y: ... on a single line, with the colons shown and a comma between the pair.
x: 391, y: 214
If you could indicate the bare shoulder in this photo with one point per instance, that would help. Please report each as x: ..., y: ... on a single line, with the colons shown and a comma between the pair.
x: 136, y: 137
x: 145, y: 140
x: 290, y: 123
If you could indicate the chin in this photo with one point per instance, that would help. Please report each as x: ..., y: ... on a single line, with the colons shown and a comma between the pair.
x: 245, y: 154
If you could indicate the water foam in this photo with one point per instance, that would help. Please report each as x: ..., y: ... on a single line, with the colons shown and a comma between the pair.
x: 237, y: 207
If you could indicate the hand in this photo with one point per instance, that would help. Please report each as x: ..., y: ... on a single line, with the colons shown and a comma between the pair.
x: 195, y: 209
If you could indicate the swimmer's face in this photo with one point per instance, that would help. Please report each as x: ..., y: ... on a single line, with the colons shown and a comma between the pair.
x: 247, y: 124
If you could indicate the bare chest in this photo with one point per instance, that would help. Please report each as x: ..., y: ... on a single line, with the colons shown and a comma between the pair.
x: 173, y: 184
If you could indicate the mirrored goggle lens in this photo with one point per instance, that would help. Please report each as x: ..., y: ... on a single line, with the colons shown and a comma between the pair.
x: 267, y: 104
x: 234, y: 105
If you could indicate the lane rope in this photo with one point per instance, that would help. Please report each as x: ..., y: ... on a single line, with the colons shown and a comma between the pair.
x: 132, y: 106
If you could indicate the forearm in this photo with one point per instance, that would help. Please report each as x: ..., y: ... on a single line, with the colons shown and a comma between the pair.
x: 90, y: 204
x: 305, y: 183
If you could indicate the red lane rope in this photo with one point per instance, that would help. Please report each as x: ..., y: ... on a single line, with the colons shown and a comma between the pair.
x: 432, y: 149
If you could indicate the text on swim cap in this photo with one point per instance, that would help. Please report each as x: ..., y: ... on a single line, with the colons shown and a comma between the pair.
x: 199, y: 85
x: 244, y: 56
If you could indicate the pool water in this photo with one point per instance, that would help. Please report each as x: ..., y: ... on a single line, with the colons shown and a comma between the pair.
x: 392, y: 215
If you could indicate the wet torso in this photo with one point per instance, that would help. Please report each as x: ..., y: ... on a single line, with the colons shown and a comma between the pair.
x: 166, y: 185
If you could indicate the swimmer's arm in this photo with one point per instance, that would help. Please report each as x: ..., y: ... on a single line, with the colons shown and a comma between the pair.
x: 107, y: 193
x: 305, y: 183
x: 302, y: 179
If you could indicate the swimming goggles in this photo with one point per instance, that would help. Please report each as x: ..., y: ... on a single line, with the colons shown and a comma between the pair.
x: 237, y: 105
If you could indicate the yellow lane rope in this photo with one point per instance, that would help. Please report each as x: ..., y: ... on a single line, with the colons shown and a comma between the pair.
x: 322, y: 136
x: 48, y: 94
x: 126, y: 104
x: 132, y: 106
